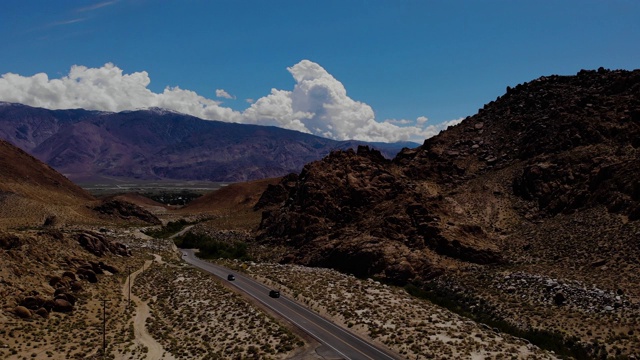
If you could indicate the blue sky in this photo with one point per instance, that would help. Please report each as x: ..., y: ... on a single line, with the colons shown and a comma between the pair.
x: 399, y: 61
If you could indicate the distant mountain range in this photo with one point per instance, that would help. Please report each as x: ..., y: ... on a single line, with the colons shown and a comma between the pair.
x: 157, y: 144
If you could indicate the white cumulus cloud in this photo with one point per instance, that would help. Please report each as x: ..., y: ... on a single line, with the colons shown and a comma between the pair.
x: 221, y: 93
x: 107, y: 89
x: 399, y: 122
x: 318, y: 103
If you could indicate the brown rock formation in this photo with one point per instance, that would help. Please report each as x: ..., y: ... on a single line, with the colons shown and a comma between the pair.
x: 62, y: 305
x: 358, y: 212
x: 126, y: 210
x: 557, y: 145
x: 8, y: 241
x: 42, y: 312
x: 22, y: 312
x: 99, y: 244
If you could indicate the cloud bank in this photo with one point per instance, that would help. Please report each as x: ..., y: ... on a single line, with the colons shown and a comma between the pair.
x: 318, y: 103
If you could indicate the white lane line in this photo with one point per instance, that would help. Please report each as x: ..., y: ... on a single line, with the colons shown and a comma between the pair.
x: 254, y: 283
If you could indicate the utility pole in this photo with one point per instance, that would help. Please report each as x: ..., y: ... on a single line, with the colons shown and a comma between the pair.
x: 129, y: 270
x: 104, y: 328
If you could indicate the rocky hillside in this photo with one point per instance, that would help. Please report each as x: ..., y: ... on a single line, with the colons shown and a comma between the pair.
x: 556, y: 145
x: 230, y: 198
x: 575, y: 139
x: 19, y: 170
x: 34, y: 194
x: 159, y: 144
x: 542, y: 184
x: 358, y: 212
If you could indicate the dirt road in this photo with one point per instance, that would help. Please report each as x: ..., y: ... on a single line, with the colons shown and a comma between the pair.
x: 142, y: 336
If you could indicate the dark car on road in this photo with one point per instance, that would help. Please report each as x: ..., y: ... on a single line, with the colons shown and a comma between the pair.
x: 274, y: 293
x: 230, y: 277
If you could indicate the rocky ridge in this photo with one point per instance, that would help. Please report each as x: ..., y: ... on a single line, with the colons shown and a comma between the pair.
x: 338, y: 215
x: 541, y: 183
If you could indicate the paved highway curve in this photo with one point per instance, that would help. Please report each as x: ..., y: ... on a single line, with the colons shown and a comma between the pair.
x: 343, y: 342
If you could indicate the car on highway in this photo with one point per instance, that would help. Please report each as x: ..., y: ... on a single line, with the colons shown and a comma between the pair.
x: 230, y: 277
x: 274, y: 293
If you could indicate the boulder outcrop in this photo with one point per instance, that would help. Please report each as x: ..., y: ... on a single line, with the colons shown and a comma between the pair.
x: 126, y: 210
x: 358, y: 212
x: 98, y: 244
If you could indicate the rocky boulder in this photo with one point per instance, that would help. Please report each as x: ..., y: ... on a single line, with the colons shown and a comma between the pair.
x: 87, y: 274
x: 62, y: 305
x: 42, y: 312
x: 32, y: 302
x: 54, y: 280
x: 67, y: 297
x: 8, y: 241
x: 70, y: 275
x: 98, y: 244
x: 126, y: 210
x: 22, y: 312
x: 110, y: 268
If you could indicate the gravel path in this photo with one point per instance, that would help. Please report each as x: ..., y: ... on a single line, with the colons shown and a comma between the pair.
x: 142, y: 336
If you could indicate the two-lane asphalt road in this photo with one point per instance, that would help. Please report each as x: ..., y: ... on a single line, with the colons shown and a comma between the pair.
x: 343, y: 342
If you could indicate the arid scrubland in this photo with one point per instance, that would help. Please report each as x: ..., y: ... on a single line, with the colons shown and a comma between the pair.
x: 412, y: 327
x: 194, y: 316
x: 77, y: 334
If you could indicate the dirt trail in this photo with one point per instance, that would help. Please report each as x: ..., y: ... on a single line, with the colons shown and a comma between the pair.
x: 181, y: 232
x: 142, y: 336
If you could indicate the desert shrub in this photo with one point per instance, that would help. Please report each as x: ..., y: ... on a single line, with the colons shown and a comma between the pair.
x: 171, y: 228
x: 211, y: 248
x: 456, y: 302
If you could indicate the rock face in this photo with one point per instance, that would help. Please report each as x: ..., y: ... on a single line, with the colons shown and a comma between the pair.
x: 358, y: 212
x: 99, y: 244
x: 559, y: 145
